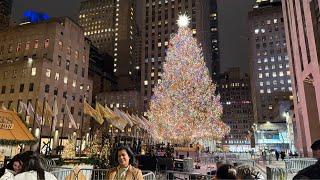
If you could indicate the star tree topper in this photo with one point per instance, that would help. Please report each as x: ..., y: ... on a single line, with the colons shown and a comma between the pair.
x: 183, y: 20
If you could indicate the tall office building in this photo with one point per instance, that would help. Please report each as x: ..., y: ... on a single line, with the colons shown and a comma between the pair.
x: 269, y: 68
x: 303, y: 41
x: 5, y: 12
x: 235, y: 93
x: 215, y: 49
x: 111, y: 26
x: 49, y: 60
x: 158, y: 23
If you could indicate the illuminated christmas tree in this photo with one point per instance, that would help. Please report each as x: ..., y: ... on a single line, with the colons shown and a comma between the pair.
x: 184, y: 107
x: 69, y: 150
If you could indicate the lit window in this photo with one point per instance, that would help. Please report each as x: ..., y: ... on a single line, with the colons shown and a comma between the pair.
x: 145, y: 83
x: 65, y: 80
x: 261, y: 91
x: 272, y: 59
x: 266, y: 67
x: 263, y: 30
x: 283, y: 88
x: 268, y: 21
x: 275, y: 21
x: 33, y: 71
x: 275, y: 82
x: 256, y: 31
x: 36, y: 44
x: 194, y: 31
x: 279, y: 58
x: 281, y: 81
x: 159, y: 44
x: 274, y: 74
x: 280, y: 66
x: 260, y: 75
x: 117, y: 105
x: 286, y: 57
x: 48, y: 72
x: 289, y: 81
x: 261, y: 83
x: 273, y: 66
x: 81, y: 86
x: 115, y: 70
x: 159, y: 81
x: 268, y: 83
x: 265, y: 60
x: 268, y: 90
x: 74, y: 83
x: 267, y: 74
x: 46, y: 43
x: 111, y: 105
x: 88, y: 88
x: 290, y: 88
x: 259, y: 60
x: 60, y: 45
x: 152, y: 74
x: 56, y: 77
x: 281, y: 73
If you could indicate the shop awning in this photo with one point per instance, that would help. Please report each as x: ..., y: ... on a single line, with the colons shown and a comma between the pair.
x: 13, y: 130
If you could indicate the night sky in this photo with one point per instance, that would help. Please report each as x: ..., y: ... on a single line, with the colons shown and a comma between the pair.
x: 233, y: 32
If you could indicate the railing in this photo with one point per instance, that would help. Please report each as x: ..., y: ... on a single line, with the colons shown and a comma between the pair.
x: 296, y: 164
x: 91, y: 174
x: 186, y: 176
x: 276, y: 173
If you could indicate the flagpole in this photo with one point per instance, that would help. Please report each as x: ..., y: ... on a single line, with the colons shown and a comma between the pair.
x: 64, y: 114
x: 43, y: 104
x: 54, y: 99
x: 18, y: 106
x: 25, y: 117
x: 82, y: 128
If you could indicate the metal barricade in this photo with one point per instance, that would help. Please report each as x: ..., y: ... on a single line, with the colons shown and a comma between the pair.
x: 297, y: 164
x: 186, y: 176
x: 148, y: 175
x: 62, y: 174
x: 276, y: 173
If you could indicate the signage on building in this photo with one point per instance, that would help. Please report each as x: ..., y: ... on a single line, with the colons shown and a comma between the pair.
x: 5, y: 123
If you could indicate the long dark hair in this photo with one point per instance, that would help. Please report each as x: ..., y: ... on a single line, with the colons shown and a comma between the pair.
x: 131, y: 155
x: 10, y: 164
x: 32, y: 163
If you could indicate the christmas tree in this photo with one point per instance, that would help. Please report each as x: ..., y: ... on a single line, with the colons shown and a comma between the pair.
x: 69, y: 149
x: 184, y: 107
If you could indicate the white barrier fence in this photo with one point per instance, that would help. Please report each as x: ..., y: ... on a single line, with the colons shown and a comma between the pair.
x: 186, y: 176
x: 91, y: 174
x: 296, y: 164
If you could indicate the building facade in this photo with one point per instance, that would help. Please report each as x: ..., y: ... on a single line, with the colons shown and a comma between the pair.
x: 235, y: 93
x: 302, y: 33
x: 215, y: 49
x: 5, y: 12
x: 111, y: 27
x: 270, y: 71
x: 158, y: 23
x: 42, y: 62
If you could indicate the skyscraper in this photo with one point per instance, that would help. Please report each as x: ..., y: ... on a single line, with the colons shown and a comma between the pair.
x: 111, y: 27
x: 5, y: 12
x: 303, y: 41
x: 237, y: 108
x: 269, y: 67
x: 215, y: 50
x: 158, y: 23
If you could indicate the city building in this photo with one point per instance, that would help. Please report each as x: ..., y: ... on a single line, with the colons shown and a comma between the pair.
x: 235, y: 93
x: 158, y: 23
x: 40, y: 62
x: 100, y: 71
x: 111, y: 27
x: 270, y: 72
x: 302, y: 28
x: 215, y: 56
x: 5, y: 12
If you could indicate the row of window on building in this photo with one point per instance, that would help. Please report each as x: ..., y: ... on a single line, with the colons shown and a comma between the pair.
x: 273, y: 74
x: 268, y: 90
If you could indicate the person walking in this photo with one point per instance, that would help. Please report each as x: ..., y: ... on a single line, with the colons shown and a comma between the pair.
x: 277, y: 155
x: 124, y: 169
x: 313, y: 171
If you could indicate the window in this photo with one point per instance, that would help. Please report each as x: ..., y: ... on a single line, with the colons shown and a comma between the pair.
x: 260, y: 76
x: 36, y: 44
x: 59, y: 60
x: 46, y: 88
x: 14, y: 75
x: 48, y: 73
x: 82, y: 72
x: 269, y: 91
x: 256, y: 31
x: 281, y: 73
x: 46, y: 43
x: 33, y: 71
x: 18, y: 47
x: 31, y: 86
x: 28, y: 45
x: 76, y: 54
x: 74, y: 83
x: 60, y: 45
x: 76, y: 68
x: 261, y: 91
x: 3, y: 90
x: 69, y: 50
x: 10, y: 48
x: 12, y: 89
x: 21, y: 88
x: 274, y: 74
x: 261, y: 83
x: 65, y: 80
x: 68, y: 65
x: 55, y: 91
x: 56, y: 77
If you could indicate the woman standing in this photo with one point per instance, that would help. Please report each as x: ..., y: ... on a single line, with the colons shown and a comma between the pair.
x: 124, y: 169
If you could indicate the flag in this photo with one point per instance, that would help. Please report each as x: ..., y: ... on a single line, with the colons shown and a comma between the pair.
x: 30, y: 109
x: 22, y: 107
x: 73, y: 123
x: 47, y: 113
x: 55, y: 114
x: 3, y: 106
x: 123, y: 116
x: 88, y: 110
x: 101, y: 113
x: 115, y: 120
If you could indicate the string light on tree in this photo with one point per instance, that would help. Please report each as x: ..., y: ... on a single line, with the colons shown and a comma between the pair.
x: 184, y: 107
